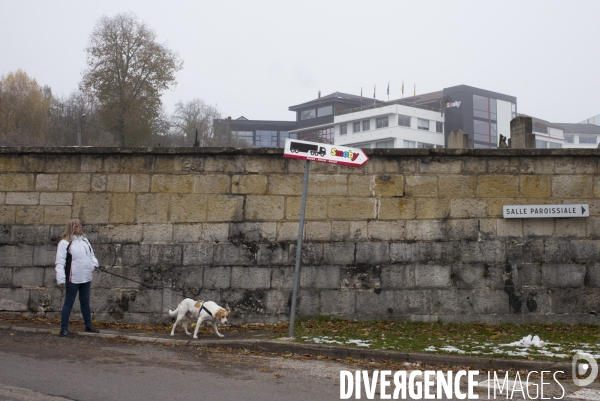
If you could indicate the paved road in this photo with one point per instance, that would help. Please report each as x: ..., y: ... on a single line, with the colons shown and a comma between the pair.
x: 40, y: 366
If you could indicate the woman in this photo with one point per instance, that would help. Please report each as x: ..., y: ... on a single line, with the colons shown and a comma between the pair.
x: 75, y: 263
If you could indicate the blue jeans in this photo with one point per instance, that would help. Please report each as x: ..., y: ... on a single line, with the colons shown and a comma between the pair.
x: 84, y: 301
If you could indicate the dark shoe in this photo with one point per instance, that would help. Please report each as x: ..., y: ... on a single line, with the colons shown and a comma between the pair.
x: 64, y: 333
x: 91, y: 329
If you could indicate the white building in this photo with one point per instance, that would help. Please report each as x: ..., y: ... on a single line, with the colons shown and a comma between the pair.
x: 393, y: 125
x: 581, y: 136
x: 592, y: 120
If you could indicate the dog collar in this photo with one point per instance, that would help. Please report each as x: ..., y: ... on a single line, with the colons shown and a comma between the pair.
x: 207, y: 311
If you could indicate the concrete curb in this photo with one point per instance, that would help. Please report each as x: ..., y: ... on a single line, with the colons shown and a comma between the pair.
x: 285, y: 346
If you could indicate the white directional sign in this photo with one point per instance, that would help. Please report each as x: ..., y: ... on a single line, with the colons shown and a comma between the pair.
x: 541, y: 211
x: 323, y: 152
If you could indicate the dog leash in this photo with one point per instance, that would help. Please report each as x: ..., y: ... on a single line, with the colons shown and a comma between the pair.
x: 140, y: 283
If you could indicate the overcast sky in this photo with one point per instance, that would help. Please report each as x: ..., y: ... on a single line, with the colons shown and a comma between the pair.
x: 257, y: 58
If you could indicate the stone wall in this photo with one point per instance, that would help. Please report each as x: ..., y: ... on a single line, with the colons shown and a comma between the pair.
x: 413, y: 234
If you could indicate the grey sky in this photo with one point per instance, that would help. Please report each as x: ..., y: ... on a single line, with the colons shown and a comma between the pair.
x: 256, y: 58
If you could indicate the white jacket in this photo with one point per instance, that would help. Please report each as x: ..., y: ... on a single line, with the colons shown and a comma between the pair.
x: 82, y: 260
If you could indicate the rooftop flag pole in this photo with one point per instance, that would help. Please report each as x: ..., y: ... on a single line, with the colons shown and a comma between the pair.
x: 415, y: 95
x: 402, y: 89
x: 388, y: 91
x: 361, y: 97
x: 374, y: 95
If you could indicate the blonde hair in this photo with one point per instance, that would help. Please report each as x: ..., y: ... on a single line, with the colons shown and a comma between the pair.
x: 69, y: 228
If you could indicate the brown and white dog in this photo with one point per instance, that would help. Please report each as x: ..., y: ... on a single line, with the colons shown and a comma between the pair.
x: 189, y: 310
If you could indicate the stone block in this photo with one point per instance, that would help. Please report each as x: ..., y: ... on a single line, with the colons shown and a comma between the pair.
x: 528, y: 275
x: 266, y: 164
x: 328, y: 185
x: 566, y: 300
x: 117, y: 183
x: 211, y: 184
x: 494, y: 206
x: 593, y: 274
x: 218, y: 277
x: 320, y: 277
x: 593, y: 226
x: 253, y: 232
x: 167, y: 255
x: 446, y: 302
x: 192, y: 163
x: 74, y: 182
x: 152, y: 208
x: 249, y: 184
x: 91, y: 208
x: 490, y: 302
x: 361, y: 277
x: 383, y: 165
x: 528, y: 250
x: 264, y: 207
x: 28, y: 277
x: 509, y: 228
x: 282, y: 277
x: 371, y: 303
x: 120, y: 234
x: 22, y: 198
x: 591, y: 301
x: 135, y: 164
x: 372, y: 253
x: 157, y: 233
x: 229, y: 255
x: 575, y: 165
x: 483, y: 252
x: 428, y: 276
x: 278, y: 302
x: 585, y: 250
x: 168, y: 164
x: 421, y: 186
x: 309, y: 303
x: 557, y: 250
x: 388, y: 185
x: 534, y: 186
x: 44, y: 255
x: 287, y: 231
x: 12, y: 164
x: 16, y: 182
x: 440, y: 166
x: 572, y: 186
x: 7, y: 214
x: 424, y: 230
x: 147, y: 301
x: 469, y: 276
x: 122, y: 208
x: 225, y: 208
x: 273, y: 254
x: 169, y: 183
x: 99, y: 183
x: 349, y: 231
x: 362, y: 185
x: 107, y: 254
x: 317, y: 231
x: 538, y: 227
x: 188, y: 233
x: 412, y: 302
x: 285, y: 184
x: 563, y: 276
x: 338, y: 303
x: 112, y: 164
x: 457, y: 186
x: 226, y: 164
x: 135, y: 255
x: 432, y: 208
x: 462, y: 229
x: 410, y: 252
x: 62, y: 164
x: 352, y: 208
x: 338, y: 253
x: 29, y: 214
x: 397, y: 276
x: 503, y: 165
x: 396, y: 209
x: 475, y: 166
x: 29, y: 235
x: 312, y: 254
x: 14, y: 299
x: 46, y: 182
x: 57, y: 214
x: 91, y: 164
x: 386, y: 230
x: 217, y: 232
x: 188, y: 208
x: 140, y: 183
x: 198, y: 254
x: 497, y: 186
x: 316, y: 208
x: 56, y: 199
x: 250, y: 277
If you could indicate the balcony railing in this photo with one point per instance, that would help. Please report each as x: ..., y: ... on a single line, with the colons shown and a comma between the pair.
x: 384, y: 104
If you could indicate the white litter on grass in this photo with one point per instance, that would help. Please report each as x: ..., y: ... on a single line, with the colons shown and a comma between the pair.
x: 359, y: 343
x: 450, y: 348
x: 430, y: 348
x: 527, y: 341
x: 325, y: 340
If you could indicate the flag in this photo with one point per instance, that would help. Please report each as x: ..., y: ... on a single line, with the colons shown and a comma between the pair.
x: 361, y: 96
x: 388, y: 89
x: 415, y: 93
x: 402, y: 88
x: 374, y: 95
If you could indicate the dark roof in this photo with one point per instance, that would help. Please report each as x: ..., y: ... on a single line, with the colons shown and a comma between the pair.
x: 337, y: 97
x: 570, y: 128
x: 431, y: 97
x: 543, y: 122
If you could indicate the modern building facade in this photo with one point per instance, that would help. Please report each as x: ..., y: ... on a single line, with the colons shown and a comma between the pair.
x: 580, y: 136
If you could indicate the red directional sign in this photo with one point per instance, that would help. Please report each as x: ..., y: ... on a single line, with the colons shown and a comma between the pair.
x: 323, y: 152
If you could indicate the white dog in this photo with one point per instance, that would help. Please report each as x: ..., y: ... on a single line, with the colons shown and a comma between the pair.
x: 208, y: 311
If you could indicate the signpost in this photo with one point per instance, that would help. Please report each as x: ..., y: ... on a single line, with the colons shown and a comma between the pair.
x: 319, y: 152
x: 545, y: 211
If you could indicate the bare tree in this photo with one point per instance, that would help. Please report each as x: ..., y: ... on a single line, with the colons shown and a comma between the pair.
x: 127, y: 72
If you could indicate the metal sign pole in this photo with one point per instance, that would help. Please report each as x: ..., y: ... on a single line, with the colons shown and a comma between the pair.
x: 299, y: 248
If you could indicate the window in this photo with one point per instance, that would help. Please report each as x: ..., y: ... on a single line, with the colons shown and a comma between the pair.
x: 385, y: 144
x: 247, y: 136
x: 404, y: 121
x: 307, y: 114
x: 555, y: 145
x: 325, y: 111
x: 266, y: 139
x: 439, y: 127
x: 587, y: 139
x: 570, y: 138
x: 423, y: 124
x: 283, y: 135
x: 343, y: 129
x: 382, y: 122
x: 513, y: 110
x: 409, y: 144
x: 366, y: 125
x: 426, y: 145
x: 481, y: 107
x: 324, y: 135
x: 541, y: 128
x: 540, y: 144
x: 356, y: 127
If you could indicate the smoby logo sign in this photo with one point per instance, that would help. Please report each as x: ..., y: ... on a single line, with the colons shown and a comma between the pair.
x: 346, y: 154
x: 456, y: 104
x: 583, y: 365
